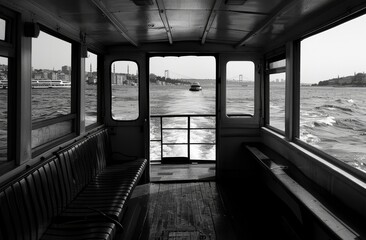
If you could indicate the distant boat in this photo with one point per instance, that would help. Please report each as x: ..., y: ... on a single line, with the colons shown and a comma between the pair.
x: 50, y: 84
x: 195, y: 87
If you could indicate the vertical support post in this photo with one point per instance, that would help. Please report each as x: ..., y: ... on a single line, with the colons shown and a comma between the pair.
x: 189, y: 138
x: 292, y: 101
x: 82, y: 96
x: 161, y: 138
x: 24, y: 101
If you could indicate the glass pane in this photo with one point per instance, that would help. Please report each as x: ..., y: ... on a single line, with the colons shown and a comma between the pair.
x: 125, y: 90
x: 172, y: 85
x: 91, y: 89
x: 175, y: 122
x: 155, y: 150
x: 277, y: 91
x: 175, y: 150
x: 175, y: 136
x: 155, y: 133
x: 203, y: 122
x: 3, y: 108
x: 203, y: 136
x: 51, y: 77
x: 203, y: 152
x: 2, y: 29
x: 332, y: 93
x: 277, y: 64
x: 239, y: 88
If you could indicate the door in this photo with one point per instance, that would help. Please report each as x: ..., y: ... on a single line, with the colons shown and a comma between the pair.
x: 239, y: 112
x: 126, y: 101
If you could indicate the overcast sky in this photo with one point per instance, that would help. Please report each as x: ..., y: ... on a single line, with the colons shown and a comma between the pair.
x: 340, y: 51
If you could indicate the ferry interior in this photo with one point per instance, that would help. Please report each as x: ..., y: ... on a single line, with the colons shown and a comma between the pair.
x: 81, y: 161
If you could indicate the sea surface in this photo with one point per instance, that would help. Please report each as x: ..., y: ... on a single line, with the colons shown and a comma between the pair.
x: 185, y: 109
x: 332, y: 119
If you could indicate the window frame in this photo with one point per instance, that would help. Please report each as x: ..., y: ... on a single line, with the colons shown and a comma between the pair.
x: 256, y: 120
x: 138, y: 90
x: 296, y: 45
x: 8, y: 50
x: 74, y: 115
x: 244, y: 115
x: 281, y: 55
x: 99, y: 91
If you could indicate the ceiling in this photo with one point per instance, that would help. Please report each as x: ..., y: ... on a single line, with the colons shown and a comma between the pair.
x: 239, y: 23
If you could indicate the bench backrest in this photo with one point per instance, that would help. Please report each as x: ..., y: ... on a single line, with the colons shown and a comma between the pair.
x: 30, y: 202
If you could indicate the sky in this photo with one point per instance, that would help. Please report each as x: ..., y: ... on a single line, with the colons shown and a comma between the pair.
x: 198, y: 67
x: 53, y: 53
x: 340, y: 51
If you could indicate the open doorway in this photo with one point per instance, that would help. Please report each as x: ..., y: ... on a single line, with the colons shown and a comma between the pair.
x: 182, y: 118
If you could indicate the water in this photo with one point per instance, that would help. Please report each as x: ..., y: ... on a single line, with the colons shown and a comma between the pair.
x: 331, y: 119
x: 174, y: 100
x: 55, y: 102
x: 178, y: 100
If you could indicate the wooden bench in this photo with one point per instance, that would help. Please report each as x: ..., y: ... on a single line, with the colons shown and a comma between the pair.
x: 76, y: 194
x: 314, y: 218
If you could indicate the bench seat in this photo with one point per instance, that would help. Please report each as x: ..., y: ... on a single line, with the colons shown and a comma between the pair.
x: 76, y: 194
x: 80, y: 231
x: 307, y: 212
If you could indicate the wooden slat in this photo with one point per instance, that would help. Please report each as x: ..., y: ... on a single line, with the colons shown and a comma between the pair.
x: 296, y: 195
x: 185, y: 211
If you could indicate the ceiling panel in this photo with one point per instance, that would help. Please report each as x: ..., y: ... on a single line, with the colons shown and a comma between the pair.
x: 237, y: 21
x: 61, y: 7
x: 142, y: 27
x: 225, y: 35
x: 258, y: 6
x: 189, y: 4
x: 107, y: 37
x: 187, y: 19
x: 127, y: 6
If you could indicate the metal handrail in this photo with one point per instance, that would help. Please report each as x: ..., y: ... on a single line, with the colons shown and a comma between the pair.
x: 188, y: 128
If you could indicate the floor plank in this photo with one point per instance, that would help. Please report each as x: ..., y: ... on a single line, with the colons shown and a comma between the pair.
x: 205, y: 210
x: 182, y: 211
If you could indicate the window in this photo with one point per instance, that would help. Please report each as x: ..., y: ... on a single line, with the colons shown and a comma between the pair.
x: 51, y: 89
x: 7, y: 91
x: 276, y: 71
x: 51, y: 77
x: 2, y: 29
x: 239, y: 88
x: 332, y: 92
x: 91, y: 89
x: 125, y: 90
x: 3, y: 109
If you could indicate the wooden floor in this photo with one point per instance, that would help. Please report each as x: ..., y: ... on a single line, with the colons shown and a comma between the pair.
x: 182, y: 172
x: 203, y: 210
x: 180, y: 211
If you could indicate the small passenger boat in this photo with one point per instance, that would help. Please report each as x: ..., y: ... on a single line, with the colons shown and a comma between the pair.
x: 50, y: 84
x: 195, y: 87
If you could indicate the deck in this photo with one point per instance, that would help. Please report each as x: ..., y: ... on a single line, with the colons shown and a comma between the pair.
x: 201, y: 210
